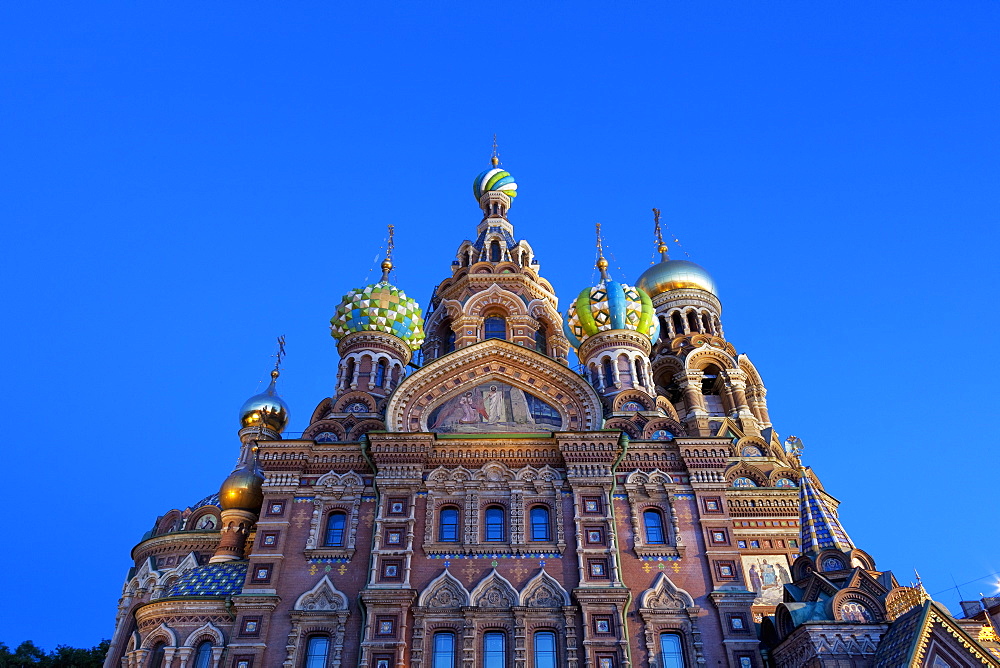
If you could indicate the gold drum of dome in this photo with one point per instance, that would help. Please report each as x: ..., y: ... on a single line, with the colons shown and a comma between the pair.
x: 675, y: 275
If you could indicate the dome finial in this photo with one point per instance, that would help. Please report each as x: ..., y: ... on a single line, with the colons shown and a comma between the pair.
x: 602, y: 264
x: 387, y: 262
x: 495, y: 158
x: 660, y: 246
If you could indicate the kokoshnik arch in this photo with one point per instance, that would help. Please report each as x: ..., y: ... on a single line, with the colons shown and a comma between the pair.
x: 490, y: 507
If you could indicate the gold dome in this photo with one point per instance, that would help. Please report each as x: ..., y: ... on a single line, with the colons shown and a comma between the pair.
x: 242, y: 489
x: 266, y: 409
x: 675, y: 275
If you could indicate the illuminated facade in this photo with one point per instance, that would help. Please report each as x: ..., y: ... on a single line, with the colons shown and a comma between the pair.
x: 492, y: 507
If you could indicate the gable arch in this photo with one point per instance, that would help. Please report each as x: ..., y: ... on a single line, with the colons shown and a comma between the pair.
x: 495, y: 297
x: 444, y: 591
x: 208, y: 630
x: 701, y: 357
x: 665, y: 594
x: 494, y: 591
x: 543, y: 591
x: 161, y: 633
x: 571, y: 395
x: 323, y: 596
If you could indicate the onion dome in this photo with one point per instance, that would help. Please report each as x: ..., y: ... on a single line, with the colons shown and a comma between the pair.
x: 266, y: 409
x: 380, y: 307
x: 242, y: 490
x: 610, y: 305
x: 494, y: 178
x: 675, y: 275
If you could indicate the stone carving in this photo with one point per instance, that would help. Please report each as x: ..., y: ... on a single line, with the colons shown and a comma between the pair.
x: 324, y: 596
x: 665, y: 595
x: 494, y: 591
x: 543, y: 591
x: 444, y: 591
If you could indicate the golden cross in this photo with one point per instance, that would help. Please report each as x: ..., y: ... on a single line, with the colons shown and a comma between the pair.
x: 660, y: 246
x: 392, y: 244
x: 495, y: 158
x: 281, y: 352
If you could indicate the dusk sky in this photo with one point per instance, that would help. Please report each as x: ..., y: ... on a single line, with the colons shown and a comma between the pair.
x: 183, y: 182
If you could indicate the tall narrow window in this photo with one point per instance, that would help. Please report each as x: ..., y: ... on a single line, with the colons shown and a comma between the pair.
x: 444, y: 650
x: 706, y: 323
x: 671, y: 654
x: 494, y: 251
x: 640, y: 377
x: 380, y: 373
x: 545, y: 649
x: 541, y: 341
x: 495, y: 328
x: 494, y: 523
x: 349, y: 373
x: 203, y: 657
x: 692, y: 321
x: 449, y: 342
x: 448, y: 525
x: 540, y: 523
x: 678, y: 321
x: 157, y: 659
x: 317, y: 649
x: 335, y: 530
x: 494, y: 649
x: 654, y: 527
x: 609, y: 375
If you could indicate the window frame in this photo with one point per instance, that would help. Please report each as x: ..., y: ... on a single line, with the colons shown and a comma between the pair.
x: 434, y: 648
x: 198, y: 656
x: 325, y: 657
x: 503, y: 648
x: 487, y: 329
x: 647, y: 528
x: 533, y: 525
x: 342, y: 514
x: 488, y: 524
x: 555, y: 648
x: 441, y: 524
x: 678, y: 654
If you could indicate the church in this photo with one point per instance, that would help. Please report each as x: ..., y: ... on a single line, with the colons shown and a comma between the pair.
x: 468, y: 499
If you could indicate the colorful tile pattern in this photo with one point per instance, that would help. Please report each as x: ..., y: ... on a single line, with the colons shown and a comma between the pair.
x: 610, y: 305
x: 820, y: 527
x: 381, y: 307
x: 223, y: 579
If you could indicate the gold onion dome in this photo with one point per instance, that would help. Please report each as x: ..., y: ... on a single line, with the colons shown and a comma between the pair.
x: 243, y: 489
x: 266, y: 409
x: 675, y: 275
x: 380, y: 307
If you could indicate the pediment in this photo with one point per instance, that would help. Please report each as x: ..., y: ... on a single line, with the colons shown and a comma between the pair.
x: 494, y: 591
x: 494, y: 386
x: 322, y: 597
x: 543, y: 591
x: 444, y: 591
x: 665, y: 595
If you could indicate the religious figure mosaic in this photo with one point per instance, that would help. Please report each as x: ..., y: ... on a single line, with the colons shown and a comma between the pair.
x: 766, y: 576
x: 492, y: 408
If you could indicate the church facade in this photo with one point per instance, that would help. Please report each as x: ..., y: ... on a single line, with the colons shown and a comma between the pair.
x: 466, y: 499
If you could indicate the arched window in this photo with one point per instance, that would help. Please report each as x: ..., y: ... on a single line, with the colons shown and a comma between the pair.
x: 317, y: 649
x: 494, y: 649
x: 335, y: 529
x: 671, y: 653
x: 494, y: 523
x: 706, y: 323
x: 540, y: 523
x: 449, y: 342
x: 448, y: 525
x: 594, y: 378
x: 692, y: 321
x: 349, y: 373
x: 541, y: 341
x: 545, y: 649
x: 444, y: 650
x: 203, y: 655
x: 640, y: 376
x: 609, y: 374
x: 156, y: 660
x: 380, y: 373
x: 494, y: 251
x: 664, y: 330
x: 495, y: 328
x: 678, y: 321
x: 653, y: 520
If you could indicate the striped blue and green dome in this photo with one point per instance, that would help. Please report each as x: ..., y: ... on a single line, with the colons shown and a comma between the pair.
x: 494, y: 178
x: 380, y: 307
x: 610, y: 305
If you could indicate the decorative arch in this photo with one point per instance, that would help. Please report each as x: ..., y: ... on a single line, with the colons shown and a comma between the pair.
x: 161, y: 632
x: 779, y: 473
x: 494, y: 591
x: 574, y: 398
x: 636, y: 396
x: 323, y: 596
x: 665, y: 595
x: 363, y: 427
x: 444, y: 591
x: 743, y: 470
x: 653, y: 427
x: 543, y: 591
x: 846, y: 596
x: 495, y: 297
x: 208, y: 630
x: 701, y: 357
x: 494, y: 471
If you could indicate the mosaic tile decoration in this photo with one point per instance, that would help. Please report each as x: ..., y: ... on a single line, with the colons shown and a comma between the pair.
x: 610, y: 305
x: 660, y: 558
x: 820, y: 527
x: 381, y: 307
x: 527, y: 555
x: 218, y: 580
x: 210, y: 500
x: 330, y: 560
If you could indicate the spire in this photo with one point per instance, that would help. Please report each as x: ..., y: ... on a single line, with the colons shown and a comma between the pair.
x: 387, y: 262
x: 495, y: 158
x: 602, y: 264
x: 821, y: 529
x: 660, y: 246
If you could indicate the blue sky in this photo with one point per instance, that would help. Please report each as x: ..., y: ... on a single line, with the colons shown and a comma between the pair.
x: 182, y: 182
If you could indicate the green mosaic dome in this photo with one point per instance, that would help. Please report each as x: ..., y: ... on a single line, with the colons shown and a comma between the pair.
x: 610, y: 305
x: 381, y: 307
